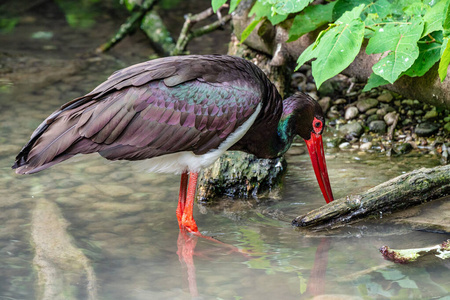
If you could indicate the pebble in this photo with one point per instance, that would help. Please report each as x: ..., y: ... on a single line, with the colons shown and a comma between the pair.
x: 340, y: 101
x: 351, y: 113
x: 389, y: 118
x: 325, y: 103
x: 431, y: 115
x: 371, y: 111
x: 406, y: 122
x: 366, y: 138
x: 353, y: 129
x: 375, y: 117
x: 426, y: 129
x: 408, y: 102
x: 385, y: 97
x: 377, y: 126
x: 366, y: 146
x: 345, y: 145
x: 365, y: 104
x: 447, y: 127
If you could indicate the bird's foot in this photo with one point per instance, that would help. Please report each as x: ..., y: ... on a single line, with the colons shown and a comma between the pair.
x: 189, y: 225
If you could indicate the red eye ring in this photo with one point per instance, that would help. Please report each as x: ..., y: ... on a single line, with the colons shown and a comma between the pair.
x: 317, y: 125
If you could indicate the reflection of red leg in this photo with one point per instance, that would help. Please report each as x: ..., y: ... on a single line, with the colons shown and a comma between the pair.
x: 316, y: 283
x: 182, y: 197
x: 186, y: 244
x: 187, y: 219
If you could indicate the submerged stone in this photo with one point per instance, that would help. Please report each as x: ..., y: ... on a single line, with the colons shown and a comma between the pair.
x: 403, y: 148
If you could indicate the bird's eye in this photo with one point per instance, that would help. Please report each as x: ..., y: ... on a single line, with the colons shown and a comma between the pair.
x: 317, y: 126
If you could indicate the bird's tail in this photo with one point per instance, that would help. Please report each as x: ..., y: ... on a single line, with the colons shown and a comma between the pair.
x: 55, y: 140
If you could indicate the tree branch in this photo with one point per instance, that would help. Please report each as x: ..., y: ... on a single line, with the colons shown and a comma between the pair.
x: 132, y: 23
x: 186, y: 35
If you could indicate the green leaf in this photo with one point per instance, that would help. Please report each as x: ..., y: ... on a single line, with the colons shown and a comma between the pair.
x: 285, y: 7
x: 310, y: 19
x: 401, y: 41
x: 249, y: 29
x: 306, y: 55
x: 343, y: 6
x: 374, y: 81
x: 398, y: 6
x: 261, y: 10
x: 233, y: 5
x: 429, y: 54
x: 168, y: 4
x: 351, y: 15
x: 433, y: 18
x: 381, y: 7
x: 79, y: 14
x: 445, y: 59
x: 446, y: 23
x: 216, y: 4
x: 8, y: 24
x: 339, y: 46
x: 417, y: 9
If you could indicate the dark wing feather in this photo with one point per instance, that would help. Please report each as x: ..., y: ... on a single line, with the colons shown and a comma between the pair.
x: 190, y: 103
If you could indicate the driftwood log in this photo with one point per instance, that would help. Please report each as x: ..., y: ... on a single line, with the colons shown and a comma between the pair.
x: 406, y: 190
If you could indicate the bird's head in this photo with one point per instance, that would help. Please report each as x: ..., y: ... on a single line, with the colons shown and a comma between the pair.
x: 309, y: 124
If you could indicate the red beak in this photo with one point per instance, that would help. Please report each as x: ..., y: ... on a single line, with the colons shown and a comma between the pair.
x: 315, y: 148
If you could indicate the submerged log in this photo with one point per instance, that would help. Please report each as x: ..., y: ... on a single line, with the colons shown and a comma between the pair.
x: 409, y: 189
x: 62, y: 268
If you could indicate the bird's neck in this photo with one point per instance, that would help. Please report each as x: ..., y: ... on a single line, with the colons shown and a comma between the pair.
x: 285, y: 134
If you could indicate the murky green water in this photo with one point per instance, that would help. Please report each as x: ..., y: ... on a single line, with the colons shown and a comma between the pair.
x: 90, y: 228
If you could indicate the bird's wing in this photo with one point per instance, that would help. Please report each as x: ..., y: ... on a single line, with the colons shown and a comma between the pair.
x: 139, y: 116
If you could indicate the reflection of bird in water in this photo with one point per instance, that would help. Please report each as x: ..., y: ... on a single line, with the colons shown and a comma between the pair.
x: 180, y: 114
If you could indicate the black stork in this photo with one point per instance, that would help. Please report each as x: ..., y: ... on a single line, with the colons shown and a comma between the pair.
x: 180, y: 114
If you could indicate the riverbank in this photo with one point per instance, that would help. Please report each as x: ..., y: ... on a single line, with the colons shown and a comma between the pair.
x: 378, y: 120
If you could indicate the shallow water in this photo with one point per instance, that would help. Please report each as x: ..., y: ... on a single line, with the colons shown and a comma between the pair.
x: 90, y: 228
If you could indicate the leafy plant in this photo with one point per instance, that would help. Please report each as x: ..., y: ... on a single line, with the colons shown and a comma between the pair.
x: 410, y: 35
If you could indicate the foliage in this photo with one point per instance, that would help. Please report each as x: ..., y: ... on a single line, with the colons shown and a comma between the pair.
x: 80, y: 14
x: 410, y: 35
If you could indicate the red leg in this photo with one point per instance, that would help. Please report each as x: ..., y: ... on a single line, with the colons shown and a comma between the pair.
x: 188, y: 219
x: 182, y: 197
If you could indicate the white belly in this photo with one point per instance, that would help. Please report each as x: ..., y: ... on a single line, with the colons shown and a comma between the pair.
x: 188, y: 161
